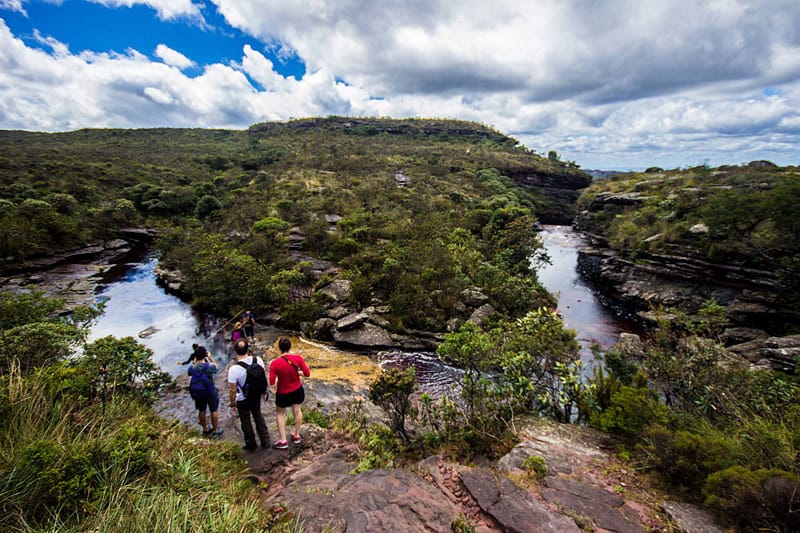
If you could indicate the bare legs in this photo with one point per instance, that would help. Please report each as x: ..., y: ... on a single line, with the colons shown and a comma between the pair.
x: 280, y: 414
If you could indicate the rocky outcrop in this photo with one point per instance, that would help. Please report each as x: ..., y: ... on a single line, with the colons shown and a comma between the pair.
x: 368, y: 328
x: 754, y: 303
x: 562, y: 187
x: 778, y: 353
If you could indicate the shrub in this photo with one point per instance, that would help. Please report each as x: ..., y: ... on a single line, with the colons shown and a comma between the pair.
x: 630, y: 410
x: 392, y: 391
x: 535, y: 466
x: 755, y: 500
x: 685, y: 459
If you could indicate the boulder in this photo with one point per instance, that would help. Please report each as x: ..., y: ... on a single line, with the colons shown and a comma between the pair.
x: 338, y: 290
x: 351, y: 321
x: 367, y: 336
x: 481, y: 314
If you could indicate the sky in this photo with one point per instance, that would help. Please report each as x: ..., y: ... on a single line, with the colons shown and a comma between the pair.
x: 608, y: 84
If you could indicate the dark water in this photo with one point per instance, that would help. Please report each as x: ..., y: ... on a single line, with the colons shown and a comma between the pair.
x: 580, y: 308
x: 134, y: 302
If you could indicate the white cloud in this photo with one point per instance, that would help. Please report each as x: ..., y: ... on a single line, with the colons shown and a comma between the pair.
x: 13, y: 5
x: 167, y: 9
x: 173, y: 57
x: 629, y: 82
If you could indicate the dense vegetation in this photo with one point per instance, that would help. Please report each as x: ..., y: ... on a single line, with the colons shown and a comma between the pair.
x: 411, y: 211
x: 742, y: 215
x: 84, y: 451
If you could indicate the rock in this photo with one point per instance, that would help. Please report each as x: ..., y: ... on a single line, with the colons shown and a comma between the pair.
x: 510, y: 506
x: 367, y: 335
x: 148, y: 332
x: 630, y: 344
x: 699, y: 229
x: 473, y: 297
x: 782, y: 353
x: 338, y: 291
x: 732, y: 336
x: 352, y: 321
x: 481, y: 314
x: 691, y: 518
x: 600, y: 506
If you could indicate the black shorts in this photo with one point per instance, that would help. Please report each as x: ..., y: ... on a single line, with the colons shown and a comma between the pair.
x: 296, y: 397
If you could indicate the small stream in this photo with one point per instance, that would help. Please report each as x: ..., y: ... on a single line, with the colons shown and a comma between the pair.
x: 135, y: 303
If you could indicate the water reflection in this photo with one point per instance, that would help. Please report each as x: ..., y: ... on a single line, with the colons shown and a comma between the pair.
x: 135, y: 304
x: 577, y: 302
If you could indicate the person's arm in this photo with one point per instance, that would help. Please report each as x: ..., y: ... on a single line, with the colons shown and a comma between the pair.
x: 273, y: 379
x: 304, y: 367
x: 232, y: 394
x: 211, y: 360
x: 189, y: 360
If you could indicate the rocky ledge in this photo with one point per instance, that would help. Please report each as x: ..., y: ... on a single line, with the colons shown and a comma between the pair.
x: 756, y: 308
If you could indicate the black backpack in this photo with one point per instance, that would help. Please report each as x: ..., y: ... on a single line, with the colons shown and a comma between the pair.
x: 255, y: 383
x: 200, y: 386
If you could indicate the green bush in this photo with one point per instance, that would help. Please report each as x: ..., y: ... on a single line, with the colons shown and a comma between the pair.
x: 629, y: 412
x: 535, y: 466
x: 392, y: 391
x: 755, y: 500
x: 686, y: 459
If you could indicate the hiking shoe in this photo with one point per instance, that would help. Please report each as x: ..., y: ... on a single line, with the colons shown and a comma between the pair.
x: 297, y: 439
x: 250, y: 447
x: 207, y: 432
x: 281, y: 445
x: 216, y: 434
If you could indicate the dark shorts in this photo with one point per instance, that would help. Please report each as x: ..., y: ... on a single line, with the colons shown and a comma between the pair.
x: 295, y: 397
x: 212, y: 404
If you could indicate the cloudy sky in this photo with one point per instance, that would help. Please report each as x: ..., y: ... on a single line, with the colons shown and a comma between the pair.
x: 609, y: 84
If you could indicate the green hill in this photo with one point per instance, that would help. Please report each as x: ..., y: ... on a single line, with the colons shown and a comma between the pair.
x: 425, y: 208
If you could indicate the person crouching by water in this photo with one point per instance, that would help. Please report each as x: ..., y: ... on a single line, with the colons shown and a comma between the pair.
x: 247, y: 407
x: 203, y: 390
x: 286, y: 383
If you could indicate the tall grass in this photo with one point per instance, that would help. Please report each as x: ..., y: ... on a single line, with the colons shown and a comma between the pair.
x: 71, y: 465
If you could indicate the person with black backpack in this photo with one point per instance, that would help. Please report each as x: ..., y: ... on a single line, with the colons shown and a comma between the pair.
x: 204, y: 392
x: 247, y: 382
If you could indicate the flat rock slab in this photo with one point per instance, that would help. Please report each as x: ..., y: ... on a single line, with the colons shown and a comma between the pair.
x: 513, y: 508
x: 601, y: 507
x: 691, y: 518
x: 328, y: 498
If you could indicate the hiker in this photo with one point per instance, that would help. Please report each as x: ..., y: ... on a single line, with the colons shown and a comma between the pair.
x: 286, y: 371
x: 203, y: 390
x: 196, y: 348
x: 249, y: 321
x: 245, y: 394
x: 237, y: 332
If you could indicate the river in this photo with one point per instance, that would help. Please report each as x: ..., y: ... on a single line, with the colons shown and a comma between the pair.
x: 578, y: 304
x: 134, y: 303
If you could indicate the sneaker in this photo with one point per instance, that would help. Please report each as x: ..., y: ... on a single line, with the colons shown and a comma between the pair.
x: 281, y: 445
x: 250, y: 447
x: 297, y: 439
x: 207, y: 432
x: 216, y: 434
